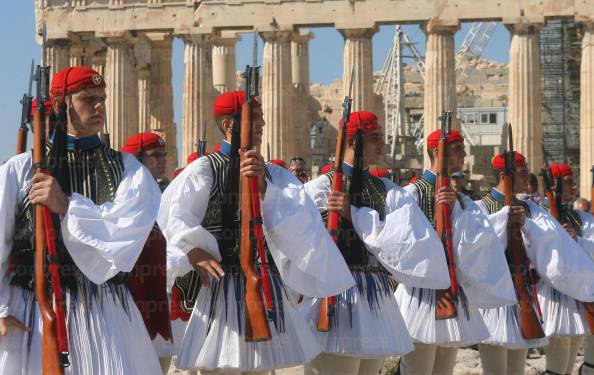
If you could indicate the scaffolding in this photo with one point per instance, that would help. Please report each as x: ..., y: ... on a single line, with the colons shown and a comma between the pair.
x: 560, y: 54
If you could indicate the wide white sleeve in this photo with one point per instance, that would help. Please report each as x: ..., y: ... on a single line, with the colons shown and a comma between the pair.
x: 183, y: 207
x: 11, y: 184
x: 498, y: 221
x: 404, y: 241
x: 557, y: 257
x: 106, y: 239
x: 586, y: 240
x: 307, y: 259
x: 481, y: 266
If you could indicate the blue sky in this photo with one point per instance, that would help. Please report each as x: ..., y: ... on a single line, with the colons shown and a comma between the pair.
x: 17, y: 23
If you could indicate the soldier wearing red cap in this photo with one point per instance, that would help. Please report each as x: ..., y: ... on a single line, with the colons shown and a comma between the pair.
x: 149, y: 283
x: 104, y: 205
x: 481, y: 270
x: 384, y: 236
x: 199, y: 217
x: 564, y: 317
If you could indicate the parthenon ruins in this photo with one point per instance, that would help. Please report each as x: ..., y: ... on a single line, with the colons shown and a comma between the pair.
x: 130, y: 41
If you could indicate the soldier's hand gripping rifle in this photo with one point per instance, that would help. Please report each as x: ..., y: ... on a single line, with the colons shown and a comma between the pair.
x: 26, y: 118
x: 333, y: 225
x: 54, y: 344
x: 256, y: 322
x: 446, y: 298
x: 519, y: 264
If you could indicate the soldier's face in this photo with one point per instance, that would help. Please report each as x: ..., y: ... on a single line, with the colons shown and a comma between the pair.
x: 373, y: 149
x: 521, y: 179
x: 569, y: 189
x: 86, y: 111
x: 456, y: 155
x: 257, y: 126
x: 155, y: 160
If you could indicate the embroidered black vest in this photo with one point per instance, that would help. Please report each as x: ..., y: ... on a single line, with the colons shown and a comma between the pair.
x: 426, y: 195
x: 571, y: 216
x: 374, y: 196
x: 189, y: 284
x: 94, y: 173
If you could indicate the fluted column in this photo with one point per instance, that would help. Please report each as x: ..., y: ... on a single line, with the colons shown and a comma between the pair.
x: 142, y: 54
x: 587, y: 110
x: 77, y: 55
x: 122, y: 91
x: 440, y: 76
x: 58, y: 55
x: 198, y: 93
x: 161, y: 95
x: 358, y: 53
x: 98, y: 61
x: 224, y: 63
x: 277, y: 96
x: 524, y: 93
x: 300, y: 73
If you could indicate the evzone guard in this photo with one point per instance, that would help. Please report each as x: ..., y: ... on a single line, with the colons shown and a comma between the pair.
x: 384, y: 237
x: 199, y: 218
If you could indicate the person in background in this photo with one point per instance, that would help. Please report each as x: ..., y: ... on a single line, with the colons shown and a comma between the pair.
x: 459, y: 185
x: 298, y: 167
x: 582, y: 204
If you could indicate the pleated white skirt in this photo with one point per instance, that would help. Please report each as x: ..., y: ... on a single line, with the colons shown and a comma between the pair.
x: 417, y: 306
x: 106, y: 334
x: 214, y: 337
x: 562, y: 314
x: 367, y: 322
x: 504, y: 329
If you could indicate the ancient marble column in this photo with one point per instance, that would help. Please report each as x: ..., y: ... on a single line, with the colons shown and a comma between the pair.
x: 440, y: 76
x: 358, y: 54
x: 277, y: 96
x: 524, y: 93
x: 198, y: 94
x: 97, y: 61
x: 224, y: 63
x: 587, y: 111
x: 142, y: 55
x: 161, y: 95
x: 58, y: 55
x: 300, y: 73
x: 77, y: 55
x: 122, y: 90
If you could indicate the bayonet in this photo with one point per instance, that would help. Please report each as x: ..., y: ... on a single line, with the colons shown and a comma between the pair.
x: 255, y: 51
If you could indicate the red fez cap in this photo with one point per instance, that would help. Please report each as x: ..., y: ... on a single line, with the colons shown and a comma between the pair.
x: 229, y: 103
x: 217, y: 148
x: 560, y: 170
x: 326, y: 168
x: 453, y: 137
x: 278, y: 162
x: 362, y: 120
x: 75, y: 78
x: 142, y: 142
x: 498, y: 161
x: 379, y: 172
x: 47, y: 104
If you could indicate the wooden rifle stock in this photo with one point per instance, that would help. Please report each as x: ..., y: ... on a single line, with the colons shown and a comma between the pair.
x: 256, y: 324
x: 530, y: 324
x: 50, y: 363
x: 446, y: 298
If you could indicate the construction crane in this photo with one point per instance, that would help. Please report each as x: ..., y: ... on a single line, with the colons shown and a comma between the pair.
x: 390, y: 83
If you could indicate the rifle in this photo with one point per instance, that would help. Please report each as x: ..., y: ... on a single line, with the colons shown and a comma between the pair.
x: 26, y: 118
x: 333, y: 225
x: 446, y: 307
x: 54, y: 344
x: 201, y: 145
x: 256, y: 322
x: 555, y: 210
x: 518, y: 261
